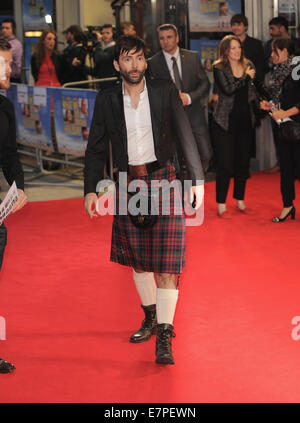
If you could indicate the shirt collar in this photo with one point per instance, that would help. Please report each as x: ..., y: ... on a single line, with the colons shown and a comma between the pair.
x: 169, y: 56
x: 142, y: 93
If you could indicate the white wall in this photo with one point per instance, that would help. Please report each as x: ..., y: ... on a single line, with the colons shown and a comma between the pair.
x: 96, y: 12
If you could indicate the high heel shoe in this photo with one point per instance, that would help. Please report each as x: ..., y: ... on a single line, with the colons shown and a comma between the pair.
x: 291, y: 213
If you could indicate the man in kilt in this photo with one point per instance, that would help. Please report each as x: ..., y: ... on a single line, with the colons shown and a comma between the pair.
x: 140, y: 116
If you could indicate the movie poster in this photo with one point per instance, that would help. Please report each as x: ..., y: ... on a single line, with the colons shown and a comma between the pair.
x: 32, y: 109
x: 34, y: 12
x: 208, y: 52
x: 212, y: 15
x: 73, y: 112
x: 289, y: 10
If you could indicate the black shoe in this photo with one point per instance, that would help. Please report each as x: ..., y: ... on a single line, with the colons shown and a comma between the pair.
x: 291, y: 213
x: 6, y: 367
x: 163, y: 344
x: 149, y: 325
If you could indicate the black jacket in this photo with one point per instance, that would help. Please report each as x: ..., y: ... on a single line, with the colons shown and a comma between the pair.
x: 75, y: 73
x: 254, y: 51
x: 290, y: 94
x: 226, y: 87
x: 9, y: 161
x: 168, y: 118
x: 57, y: 60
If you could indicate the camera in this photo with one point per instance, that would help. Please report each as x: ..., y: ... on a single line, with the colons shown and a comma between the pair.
x: 90, y: 38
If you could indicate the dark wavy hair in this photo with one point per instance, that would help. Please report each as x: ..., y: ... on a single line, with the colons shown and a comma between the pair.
x: 282, y: 43
x: 224, y: 47
x: 127, y: 43
x: 40, y: 49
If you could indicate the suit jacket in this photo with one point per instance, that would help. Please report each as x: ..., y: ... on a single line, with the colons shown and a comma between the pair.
x: 108, y: 124
x: 254, y: 51
x: 9, y: 161
x: 194, y: 79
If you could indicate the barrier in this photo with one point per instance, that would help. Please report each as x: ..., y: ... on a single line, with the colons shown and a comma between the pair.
x: 53, y: 126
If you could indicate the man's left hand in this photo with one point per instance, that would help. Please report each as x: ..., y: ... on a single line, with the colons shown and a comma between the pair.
x: 184, y: 98
x: 22, y: 200
x: 198, y: 192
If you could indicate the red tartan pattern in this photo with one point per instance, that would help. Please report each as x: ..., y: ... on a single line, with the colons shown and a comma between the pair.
x: 160, y: 249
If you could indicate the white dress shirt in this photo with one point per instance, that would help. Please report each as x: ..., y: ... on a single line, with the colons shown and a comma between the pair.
x: 140, y: 142
x: 169, y: 61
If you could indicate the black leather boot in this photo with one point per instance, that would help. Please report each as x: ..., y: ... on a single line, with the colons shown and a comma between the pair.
x: 5, y: 366
x: 163, y: 344
x: 149, y: 325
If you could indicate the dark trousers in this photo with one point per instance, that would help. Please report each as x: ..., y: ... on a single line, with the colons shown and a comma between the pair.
x: 233, y: 150
x: 289, y: 154
x: 3, y: 239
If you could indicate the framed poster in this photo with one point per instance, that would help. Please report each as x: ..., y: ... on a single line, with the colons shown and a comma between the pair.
x: 212, y: 15
x: 34, y: 12
x: 289, y: 10
x: 73, y: 113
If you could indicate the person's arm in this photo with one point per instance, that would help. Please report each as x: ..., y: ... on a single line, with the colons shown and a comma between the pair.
x: 227, y: 85
x: 97, y: 147
x: 11, y: 165
x: 17, y: 57
x: 203, y: 86
x: 34, y: 69
x: 185, y: 137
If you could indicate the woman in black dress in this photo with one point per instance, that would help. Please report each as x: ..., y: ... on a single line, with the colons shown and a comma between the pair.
x: 233, y: 123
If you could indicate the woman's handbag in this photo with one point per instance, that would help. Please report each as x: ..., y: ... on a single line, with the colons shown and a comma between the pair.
x: 290, y: 131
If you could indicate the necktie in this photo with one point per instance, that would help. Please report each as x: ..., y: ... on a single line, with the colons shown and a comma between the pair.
x: 177, y: 78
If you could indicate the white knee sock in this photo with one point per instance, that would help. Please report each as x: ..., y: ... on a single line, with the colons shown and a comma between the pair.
x: 166, y: 301
x: 146, y: 287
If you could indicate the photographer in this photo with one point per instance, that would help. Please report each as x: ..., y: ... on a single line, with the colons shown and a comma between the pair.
x: 74, y: 56
x: 104, y: 55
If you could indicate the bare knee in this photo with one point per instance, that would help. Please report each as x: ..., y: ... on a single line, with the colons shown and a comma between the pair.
x: 165, y: 280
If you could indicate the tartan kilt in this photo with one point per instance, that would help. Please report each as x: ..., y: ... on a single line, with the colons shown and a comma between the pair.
x: 160, y: 249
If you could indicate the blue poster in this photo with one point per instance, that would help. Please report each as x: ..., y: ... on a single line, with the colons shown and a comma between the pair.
x: 208, y: 52
x: 73, y: 113
x: 212, y: 15
x: 34, y: 12
x: 29, y: 44
x: 32, y: 109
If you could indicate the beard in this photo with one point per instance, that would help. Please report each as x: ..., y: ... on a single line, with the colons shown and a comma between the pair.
x: 134, y: 80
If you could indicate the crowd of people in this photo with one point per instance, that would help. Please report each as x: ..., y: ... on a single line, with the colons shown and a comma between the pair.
x: 162, y: 104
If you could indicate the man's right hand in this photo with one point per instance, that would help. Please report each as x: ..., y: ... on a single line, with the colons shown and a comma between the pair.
x: 90, y: 200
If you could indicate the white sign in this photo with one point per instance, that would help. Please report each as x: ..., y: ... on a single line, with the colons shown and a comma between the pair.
x: 40, y: 96
x: 22, y: 94
x: 8, y: 203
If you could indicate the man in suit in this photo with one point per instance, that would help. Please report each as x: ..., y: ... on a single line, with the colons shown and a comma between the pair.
x: 184, y: 68
x: 9, y: 161
x: 140, y: 116
x: 253, y: 48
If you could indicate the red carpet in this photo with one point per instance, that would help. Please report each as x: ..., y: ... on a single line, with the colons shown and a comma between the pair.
x: 69, y: 311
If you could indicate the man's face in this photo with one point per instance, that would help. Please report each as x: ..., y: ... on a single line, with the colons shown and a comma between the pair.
x: 168, y: 41
x: 129, y: 30
x: 132, y: 66
x: 69, y: 37
x: 7, y: 56
x: 7, y: 30
x: 107, y: 35
x: 238, y: 29
x: 275, y: 31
